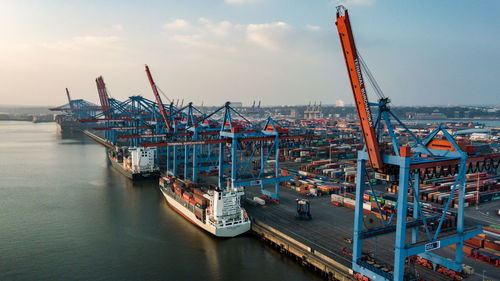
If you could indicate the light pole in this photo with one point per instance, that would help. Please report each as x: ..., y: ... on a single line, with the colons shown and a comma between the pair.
x: 330, y: 148
x: 477, y: 192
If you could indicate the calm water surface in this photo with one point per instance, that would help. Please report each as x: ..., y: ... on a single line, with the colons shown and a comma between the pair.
x: 65, y: 215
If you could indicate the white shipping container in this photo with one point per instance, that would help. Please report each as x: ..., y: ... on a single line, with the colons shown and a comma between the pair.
x: 304, y: 173
x: 348, y: 201
x: 259, y: 201
x: 367, y: 206
x: 337, y: 198
x: 327, y: 171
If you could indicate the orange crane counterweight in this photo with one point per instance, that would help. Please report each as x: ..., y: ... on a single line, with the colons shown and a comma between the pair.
x: 358, y: 87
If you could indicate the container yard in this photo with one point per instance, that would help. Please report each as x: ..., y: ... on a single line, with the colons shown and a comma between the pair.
x: 367, y: 193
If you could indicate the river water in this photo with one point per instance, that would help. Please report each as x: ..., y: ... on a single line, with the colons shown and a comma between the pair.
x: 65, y: 215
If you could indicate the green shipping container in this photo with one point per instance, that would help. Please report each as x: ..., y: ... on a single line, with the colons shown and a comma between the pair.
x: 390, y: 203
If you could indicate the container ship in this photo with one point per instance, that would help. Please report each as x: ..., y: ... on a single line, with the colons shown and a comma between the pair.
x: 216, y: 211
x: 66, y: 124
x: 134, y: 162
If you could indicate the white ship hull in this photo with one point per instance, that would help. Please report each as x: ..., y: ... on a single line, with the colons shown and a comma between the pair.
x: 225, y: 231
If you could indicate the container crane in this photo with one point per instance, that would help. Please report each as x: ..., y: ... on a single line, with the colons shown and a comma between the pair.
x: 404, y: 165
x: 158, y: 100
x: 69, y: 99
x: 103, y: 96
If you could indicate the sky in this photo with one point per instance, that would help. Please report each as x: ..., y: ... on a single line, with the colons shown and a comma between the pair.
x: 276, y: 51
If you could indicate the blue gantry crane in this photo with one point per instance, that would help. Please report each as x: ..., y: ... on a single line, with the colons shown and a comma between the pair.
x: 243, y: 152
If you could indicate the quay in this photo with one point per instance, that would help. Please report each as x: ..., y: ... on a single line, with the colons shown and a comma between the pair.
x: 98, y: 139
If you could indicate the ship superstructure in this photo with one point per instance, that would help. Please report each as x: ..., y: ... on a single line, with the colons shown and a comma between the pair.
x: 216, y: 211
x: 135, y: 162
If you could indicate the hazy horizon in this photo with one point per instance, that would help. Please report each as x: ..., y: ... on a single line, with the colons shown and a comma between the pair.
x: 421, y: 53
x: 272, y: 105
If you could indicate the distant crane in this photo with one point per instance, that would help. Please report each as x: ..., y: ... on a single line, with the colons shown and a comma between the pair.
x: 158, y: 100
x: 103, y: 96
x: 69, y: 99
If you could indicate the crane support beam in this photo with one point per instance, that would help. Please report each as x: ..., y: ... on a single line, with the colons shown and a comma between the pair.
x: 103, y: 96
x: 106, y: 120
x: 118, y: 128
x: 223, y: 140
x: 358, y: 87
x: 188, y: 134
x: 69, y: 99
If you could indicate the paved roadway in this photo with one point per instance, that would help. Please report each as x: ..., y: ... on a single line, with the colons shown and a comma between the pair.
x: 486, y: 214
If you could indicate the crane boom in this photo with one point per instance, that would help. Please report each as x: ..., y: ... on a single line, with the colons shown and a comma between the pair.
x: 103, y: 96
x: 358, y: 87
x: 158, y: 99
x: 69, y: 99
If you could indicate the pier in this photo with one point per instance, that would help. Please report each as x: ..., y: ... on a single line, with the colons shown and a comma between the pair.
x: 98, y: 139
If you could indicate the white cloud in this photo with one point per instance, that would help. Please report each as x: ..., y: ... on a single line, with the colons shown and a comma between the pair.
x: 271, y: 36
x: 227, y: 36
x: 204, y: 20
x: 177, y: 24
x: 223, y: 28
x: 274, y: 61
x: 220, y: 36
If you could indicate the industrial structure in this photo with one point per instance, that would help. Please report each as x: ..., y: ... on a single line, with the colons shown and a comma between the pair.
x: 404, y: 163
x: 233, y: 150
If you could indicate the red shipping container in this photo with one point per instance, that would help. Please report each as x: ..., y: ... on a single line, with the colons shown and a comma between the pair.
x: 198, y: 191
x: 186, y: 196
x: 477, y: 242
x: 491, y: 245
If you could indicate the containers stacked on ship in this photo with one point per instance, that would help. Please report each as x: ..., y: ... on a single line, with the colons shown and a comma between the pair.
x: 216, y: 211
